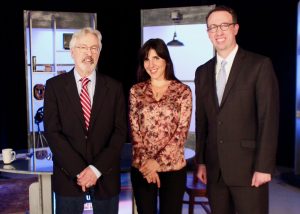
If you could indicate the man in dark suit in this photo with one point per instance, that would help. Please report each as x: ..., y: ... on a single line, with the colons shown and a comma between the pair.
x: 85, y: 126
x: 237, y: 110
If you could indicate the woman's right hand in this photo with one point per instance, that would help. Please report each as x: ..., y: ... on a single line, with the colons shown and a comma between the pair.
x: 149, y: 171
x: 153, y: 178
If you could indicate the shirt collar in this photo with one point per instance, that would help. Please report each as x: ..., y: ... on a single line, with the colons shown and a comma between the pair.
x: 92, y: 76
x: 229, y: 59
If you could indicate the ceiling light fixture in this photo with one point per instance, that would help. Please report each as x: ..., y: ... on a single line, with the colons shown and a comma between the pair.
x: 176, y: 16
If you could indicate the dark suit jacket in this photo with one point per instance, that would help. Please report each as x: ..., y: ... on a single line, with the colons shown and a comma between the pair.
x: 72, y: 146
x: 240, y: 136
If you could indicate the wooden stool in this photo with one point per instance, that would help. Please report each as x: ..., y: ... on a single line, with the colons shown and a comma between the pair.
x: 195, y: 188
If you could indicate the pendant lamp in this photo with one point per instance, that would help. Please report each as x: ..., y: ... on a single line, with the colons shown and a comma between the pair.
x: 176, y: 16
x: 175, y: 42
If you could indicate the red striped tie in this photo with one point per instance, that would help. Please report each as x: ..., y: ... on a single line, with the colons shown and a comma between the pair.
x: 85, y: 101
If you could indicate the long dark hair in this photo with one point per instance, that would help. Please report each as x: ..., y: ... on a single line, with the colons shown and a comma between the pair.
x: 162, y: 51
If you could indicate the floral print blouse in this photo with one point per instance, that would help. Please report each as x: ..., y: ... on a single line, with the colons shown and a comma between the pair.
x: 159, y: 128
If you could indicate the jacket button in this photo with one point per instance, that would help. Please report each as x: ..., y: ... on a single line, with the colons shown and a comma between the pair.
x: 221, y: 141
x: 85, y: 137
x: 219, y: 122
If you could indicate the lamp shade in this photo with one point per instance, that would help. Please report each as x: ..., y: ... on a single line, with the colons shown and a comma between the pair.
x: 175, y: 42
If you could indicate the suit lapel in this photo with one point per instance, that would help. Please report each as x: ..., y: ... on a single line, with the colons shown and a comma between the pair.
x: 99, y: 97
x: 235, y: 70
x: 72, y: 93
x: 212, y: 81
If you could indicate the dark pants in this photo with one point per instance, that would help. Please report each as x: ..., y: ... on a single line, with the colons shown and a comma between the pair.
x: 224, y: 199
x: 170, y: 192
x: 74, y: 205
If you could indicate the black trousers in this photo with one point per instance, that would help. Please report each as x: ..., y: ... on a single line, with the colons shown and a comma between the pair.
x: 224, y: 199
x: 170, y: 193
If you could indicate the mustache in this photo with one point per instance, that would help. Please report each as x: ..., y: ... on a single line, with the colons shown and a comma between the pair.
x: 88, y: 59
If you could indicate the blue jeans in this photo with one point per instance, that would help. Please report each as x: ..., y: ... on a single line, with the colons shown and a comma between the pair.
x: 74, y: 205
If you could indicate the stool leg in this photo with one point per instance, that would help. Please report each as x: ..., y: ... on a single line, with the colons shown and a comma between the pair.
x: 207, y: 210
x: 191, y: 204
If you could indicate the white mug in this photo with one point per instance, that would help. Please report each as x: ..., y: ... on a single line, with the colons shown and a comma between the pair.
x: 8, y: 155
x: 8, y: 166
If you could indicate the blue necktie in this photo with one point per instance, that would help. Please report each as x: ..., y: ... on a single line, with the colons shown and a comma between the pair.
x: 221, y: 81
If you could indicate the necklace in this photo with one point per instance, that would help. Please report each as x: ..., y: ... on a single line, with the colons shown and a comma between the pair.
x: 158, y: 91
x: 156, y: 94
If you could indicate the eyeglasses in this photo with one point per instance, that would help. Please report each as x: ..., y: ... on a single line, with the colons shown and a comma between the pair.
x: 223, y: 27
x: 85, y: 49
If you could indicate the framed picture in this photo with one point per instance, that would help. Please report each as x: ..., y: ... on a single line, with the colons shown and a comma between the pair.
x: 66, y: 40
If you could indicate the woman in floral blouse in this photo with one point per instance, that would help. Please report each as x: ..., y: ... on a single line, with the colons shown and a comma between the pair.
x: 160, y: 114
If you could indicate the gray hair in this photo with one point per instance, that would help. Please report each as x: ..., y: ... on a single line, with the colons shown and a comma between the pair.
x: 83, y: 32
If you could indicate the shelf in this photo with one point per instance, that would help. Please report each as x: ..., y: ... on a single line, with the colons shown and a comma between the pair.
x: 62, y: 50
x: 43, y: 72
x: 52, y: 64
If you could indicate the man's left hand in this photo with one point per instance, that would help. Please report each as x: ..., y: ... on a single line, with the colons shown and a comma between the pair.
x: 260, y: 178
x: 86, y: 179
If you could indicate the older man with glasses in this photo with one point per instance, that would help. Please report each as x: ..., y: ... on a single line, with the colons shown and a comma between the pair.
x: 85, y: 126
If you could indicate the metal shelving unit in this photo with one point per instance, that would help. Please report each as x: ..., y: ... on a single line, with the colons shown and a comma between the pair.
x: 47, y: 55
